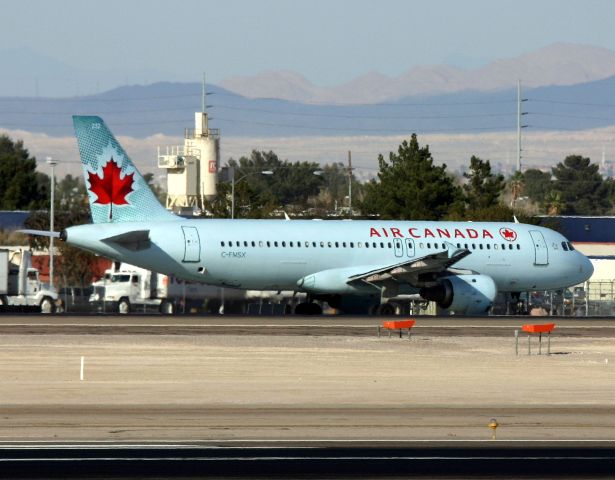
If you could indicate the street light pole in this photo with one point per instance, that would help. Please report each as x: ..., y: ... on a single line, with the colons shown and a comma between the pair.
x: 233, y: 181
x: 52, y: 163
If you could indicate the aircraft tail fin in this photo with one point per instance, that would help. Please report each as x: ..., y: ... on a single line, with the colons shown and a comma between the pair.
x: 116, y: 190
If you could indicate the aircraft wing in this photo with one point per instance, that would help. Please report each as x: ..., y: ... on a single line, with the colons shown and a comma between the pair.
x: 409, y: 271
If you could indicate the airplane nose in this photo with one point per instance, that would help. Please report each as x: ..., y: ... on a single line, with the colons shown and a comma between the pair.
x: 586, y: 268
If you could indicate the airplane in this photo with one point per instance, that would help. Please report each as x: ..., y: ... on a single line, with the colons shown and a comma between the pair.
x: 353, y: 265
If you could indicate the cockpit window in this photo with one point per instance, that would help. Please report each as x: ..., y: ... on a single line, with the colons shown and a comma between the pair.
x: 565, y: 246
x: 570, y: 246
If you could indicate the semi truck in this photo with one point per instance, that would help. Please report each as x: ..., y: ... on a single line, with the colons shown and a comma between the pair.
x: 20, y: 284
x: 125, y: 288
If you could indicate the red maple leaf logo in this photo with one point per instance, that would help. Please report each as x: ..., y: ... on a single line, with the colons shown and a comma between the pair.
x: 111, y: 188
x: 508, y: 234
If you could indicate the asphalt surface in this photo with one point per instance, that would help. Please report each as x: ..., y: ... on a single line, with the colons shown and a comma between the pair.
x: 414, y: 460
x: 290, y: 325
x: 263, y: 442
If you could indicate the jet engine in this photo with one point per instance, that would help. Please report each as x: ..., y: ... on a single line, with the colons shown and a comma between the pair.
x: 463, y: 294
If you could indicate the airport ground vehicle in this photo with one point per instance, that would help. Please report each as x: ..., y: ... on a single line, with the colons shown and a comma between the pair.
x: 20, y: 284
x: 125, y: 288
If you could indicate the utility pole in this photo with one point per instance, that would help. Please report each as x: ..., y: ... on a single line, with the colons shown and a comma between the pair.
x: 349, y: 184
x: 519, y: 126
x: 52, y: 163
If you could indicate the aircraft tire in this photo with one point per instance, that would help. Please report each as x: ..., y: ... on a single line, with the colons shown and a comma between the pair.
x: 386, y: 309
x: 308, y: 309
x: 123, y: 306
x: 314, y: 309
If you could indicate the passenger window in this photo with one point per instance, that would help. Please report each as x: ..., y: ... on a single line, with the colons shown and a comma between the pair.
x: 389, y: 245
x: 465, y: 245
x: 421, y: 245
x: 381, y: 244
x: 329, y: 244
x: 337, y: 245
x: 473, y: 246
x: 503, y: 246
x: 260, y: 243
x: 359, y: 244
x: 495, y: 247
x: 459, y: 245
x: 366, y: 244
x: 510, y: 247
x: 374, y: 245
x: 275, y: 244
x: 253, y: 243
x: 351, y: 244
x: 230, y: 244
x: 268, y: 243
x: 518, y: 247
x: 222, y: 244
x: 480, y: 245
x: 428, y: 244
x: 307, y: 244
x: 290, y: 244
x: 314, y: 244
x: 488, y: 246
x: 245, y: 243
x: 283, y: 244
x: 344, y: 244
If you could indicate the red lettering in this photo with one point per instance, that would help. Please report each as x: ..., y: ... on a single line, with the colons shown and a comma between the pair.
x: 443, y: 233
x: 458, y: 234
x: 472, y: 233
x: 384, y: 230
x: 486, y: 234
x: 396, y: 233
x: 373, y: 232
x: 412, y: 234
x: 429, y: 233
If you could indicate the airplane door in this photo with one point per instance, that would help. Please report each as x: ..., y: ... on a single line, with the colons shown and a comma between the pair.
x: 192, y: 244
x: 398, y: 247
x: 409, y: 247
x: 540, y: 248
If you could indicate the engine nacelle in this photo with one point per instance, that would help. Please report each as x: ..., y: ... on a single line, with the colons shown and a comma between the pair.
x: 464, y: 294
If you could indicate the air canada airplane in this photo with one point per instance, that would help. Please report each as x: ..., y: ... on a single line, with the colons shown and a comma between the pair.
x: 353, y: 265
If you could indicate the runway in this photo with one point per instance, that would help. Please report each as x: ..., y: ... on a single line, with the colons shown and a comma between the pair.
x: 321, y: 396
x: 289, y: 325
x: 412, y: 460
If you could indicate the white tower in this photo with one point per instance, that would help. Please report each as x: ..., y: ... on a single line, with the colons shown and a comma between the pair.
x: 192, y: 169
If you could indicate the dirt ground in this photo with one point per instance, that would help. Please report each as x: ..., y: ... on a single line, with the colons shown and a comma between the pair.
x: 302, y: 387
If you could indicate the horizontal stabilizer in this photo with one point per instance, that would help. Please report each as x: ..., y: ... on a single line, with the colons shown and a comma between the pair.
x: 40, y: 233
x: 135, y: 240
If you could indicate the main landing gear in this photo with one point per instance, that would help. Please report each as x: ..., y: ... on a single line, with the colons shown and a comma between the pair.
x: 308, y: 308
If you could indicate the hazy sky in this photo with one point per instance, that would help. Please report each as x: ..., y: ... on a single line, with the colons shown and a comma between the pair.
x: 327, y: 41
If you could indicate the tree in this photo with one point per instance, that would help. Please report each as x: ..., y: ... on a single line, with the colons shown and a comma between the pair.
x: 582, y: 189
x: 289, y: 187
x: 20, y: 187
x: 410, y: 186
x: 483, y: 188
x: 536, y: 185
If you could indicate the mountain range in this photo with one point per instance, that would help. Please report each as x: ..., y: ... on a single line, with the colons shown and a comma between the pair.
x: 566, y: 87
x: 556, y: 64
